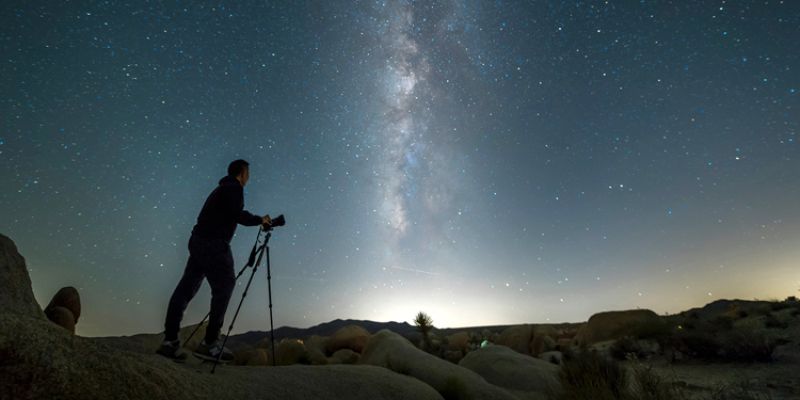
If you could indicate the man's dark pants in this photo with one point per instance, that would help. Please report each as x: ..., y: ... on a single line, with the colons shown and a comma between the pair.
x: 210, y: 259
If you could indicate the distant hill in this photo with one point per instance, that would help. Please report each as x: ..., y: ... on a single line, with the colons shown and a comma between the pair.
x: 324, y: 329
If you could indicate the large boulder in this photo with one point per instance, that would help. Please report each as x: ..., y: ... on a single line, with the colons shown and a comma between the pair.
x: 61, y: 317
x: 517, y: 338
x: 504, y: 367
x: 351, y: 337
x: 64, y: 308
x: 16, y: 295
x: 528, y: 339
x: 613, y: 325
x: 390, y: 350
x: 68, y: 298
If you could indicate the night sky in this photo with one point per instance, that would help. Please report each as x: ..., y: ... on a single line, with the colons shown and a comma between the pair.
x: 484, y: 162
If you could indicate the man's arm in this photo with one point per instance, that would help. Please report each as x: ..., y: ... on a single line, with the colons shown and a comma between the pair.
x: 247, y: 219
x: 234, y: 199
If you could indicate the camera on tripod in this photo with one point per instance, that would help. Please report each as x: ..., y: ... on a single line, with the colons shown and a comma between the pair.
x: 276, y: 222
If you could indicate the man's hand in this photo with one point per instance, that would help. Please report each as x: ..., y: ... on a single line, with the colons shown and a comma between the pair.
x: 266, y: 220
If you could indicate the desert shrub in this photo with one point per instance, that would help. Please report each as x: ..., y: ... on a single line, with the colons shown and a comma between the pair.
x: 698, y: 344
x: 626, y: 347
x: 646, y: 384
x: 588, y: 375
x: 777, y: 306
x: 770, y: 321
x: 747, y: 344
x: 738, y: 391
x: 655, y: 330
x: 722, y: 322
x: 742, y: 314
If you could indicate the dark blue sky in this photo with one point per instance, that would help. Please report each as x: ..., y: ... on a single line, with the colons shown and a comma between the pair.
x: 484, y: 162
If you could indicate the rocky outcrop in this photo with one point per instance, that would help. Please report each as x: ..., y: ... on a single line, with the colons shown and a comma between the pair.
x: 501, y: 366
x: 16, y: 294
x: 528, y: 339
x: 65, y: 308
x: 613, y: 325
x: 517, y: 338
x: 390, y: 350
x: 39, y: 360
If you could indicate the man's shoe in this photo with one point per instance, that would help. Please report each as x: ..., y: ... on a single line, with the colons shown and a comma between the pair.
x: 210, y: 352
x: 172, y: 349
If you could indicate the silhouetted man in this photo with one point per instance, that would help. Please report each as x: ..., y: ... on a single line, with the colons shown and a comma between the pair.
x: 210, y: 258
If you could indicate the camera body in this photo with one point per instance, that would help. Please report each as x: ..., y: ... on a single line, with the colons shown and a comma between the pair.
x: 276, y: 222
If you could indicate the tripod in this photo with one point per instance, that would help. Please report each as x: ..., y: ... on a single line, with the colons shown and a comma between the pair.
x: 256, y: 255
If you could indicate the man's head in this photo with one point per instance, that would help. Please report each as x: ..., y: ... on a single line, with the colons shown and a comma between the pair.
x: 239, y: 169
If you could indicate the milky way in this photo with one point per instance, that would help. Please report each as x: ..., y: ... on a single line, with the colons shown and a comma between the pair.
x: 484, y: 162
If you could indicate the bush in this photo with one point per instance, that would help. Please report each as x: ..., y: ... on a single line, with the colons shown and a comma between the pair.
x: 771, y: 322
x: 625, y: 348
x: 698, y: 344
x: 747, y: 344
x: 589, y: 376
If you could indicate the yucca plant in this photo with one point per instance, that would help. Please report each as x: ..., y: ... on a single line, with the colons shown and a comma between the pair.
x: 424, y: 324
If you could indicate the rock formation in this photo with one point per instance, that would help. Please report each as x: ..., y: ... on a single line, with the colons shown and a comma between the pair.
x: 613, y: 325
x: 65, y: 308
x: 390, y: 350
x: 39, y: 360
x: 509, y: 369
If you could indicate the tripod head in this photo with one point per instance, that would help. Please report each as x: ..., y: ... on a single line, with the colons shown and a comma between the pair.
x: 276, y: 222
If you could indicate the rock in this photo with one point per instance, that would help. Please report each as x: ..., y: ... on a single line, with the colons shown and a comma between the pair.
x: 73, y: 367
x: 613, y: 325
x: 351, y: 337
x: 458, y: 342
x: 390, y: 350
x: 543, y: 341
x: 291, y: 351
x: 454, y: 356
x: 68, y: 298
x: 16, y: 295
x: 344, y: 356
x: 62, y: 317
x: 563, y: 344
x: 517, y: 338
x: 553, y: 357
x: 39, y: 360
x: 509, y: 369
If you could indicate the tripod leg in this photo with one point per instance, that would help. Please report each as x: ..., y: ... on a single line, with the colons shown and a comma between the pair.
x: 235, y: 315
x: 271, y: 326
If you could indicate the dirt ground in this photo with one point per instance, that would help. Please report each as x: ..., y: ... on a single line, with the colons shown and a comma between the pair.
x: 757, y: 381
